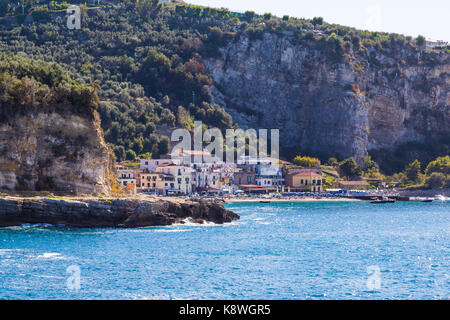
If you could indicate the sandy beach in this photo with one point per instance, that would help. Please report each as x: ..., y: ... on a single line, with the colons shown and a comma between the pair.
x: 310, y: 199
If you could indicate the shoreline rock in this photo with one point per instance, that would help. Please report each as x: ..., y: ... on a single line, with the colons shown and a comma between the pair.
x: 110, y: 213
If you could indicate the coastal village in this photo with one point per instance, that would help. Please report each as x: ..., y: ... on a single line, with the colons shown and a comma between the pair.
x: 184, y: 176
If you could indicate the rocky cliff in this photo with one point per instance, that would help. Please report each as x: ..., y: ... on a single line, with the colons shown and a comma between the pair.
x: 52, y: 151
x: 110, y: 213
x: 50, y: 136
x: 344, y: 106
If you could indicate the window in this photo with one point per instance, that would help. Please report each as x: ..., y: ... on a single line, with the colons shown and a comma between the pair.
x: 249, y: 179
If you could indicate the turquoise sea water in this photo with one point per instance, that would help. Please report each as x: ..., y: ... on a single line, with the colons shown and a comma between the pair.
x: 276, y: 251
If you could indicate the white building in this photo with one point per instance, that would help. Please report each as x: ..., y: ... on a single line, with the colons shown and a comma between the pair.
x: 128, y: 179
x: 150, y: 165
x: 434, y: 44
x: 182, y: 175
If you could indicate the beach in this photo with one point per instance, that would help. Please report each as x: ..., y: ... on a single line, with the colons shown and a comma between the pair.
x: 287, y: 200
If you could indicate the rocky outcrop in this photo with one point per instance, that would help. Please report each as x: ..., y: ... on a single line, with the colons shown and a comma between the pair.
x: 327, y: 106
x: 110, y: 213
x: 54, y: 151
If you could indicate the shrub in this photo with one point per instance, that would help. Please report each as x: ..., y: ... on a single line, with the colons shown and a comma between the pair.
x: 130, y: 155
x: 441, y: 164
x: 350, y: 168
x: 412, y: 171
x: 420, y: 40
x: 308, y: 162
x: 436, y: 180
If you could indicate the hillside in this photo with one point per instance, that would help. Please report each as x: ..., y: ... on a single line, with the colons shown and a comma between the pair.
x: 50, y: 135
x: 336, y: 91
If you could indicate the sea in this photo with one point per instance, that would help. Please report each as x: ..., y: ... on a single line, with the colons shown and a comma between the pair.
x: 302, y: 250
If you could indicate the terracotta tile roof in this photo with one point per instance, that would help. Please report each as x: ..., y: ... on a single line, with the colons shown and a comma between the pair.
x: 307, y: 174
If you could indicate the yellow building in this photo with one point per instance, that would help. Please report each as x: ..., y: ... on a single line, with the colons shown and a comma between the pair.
x: 181, y: 178
x: 151, y: 182
x: 305, y: 181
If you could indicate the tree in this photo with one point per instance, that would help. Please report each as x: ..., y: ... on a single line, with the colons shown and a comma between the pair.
x: 441, y: 164
x: 350, y: 168
x: 130, y: 155
x: 317, y: 21
x: 155, y: 68
x: 285, y: 18
x: 168, y: 117
x: 412, y: 171
x: 370, y: 165
x: 267, y: 16
x: 420, y: 40
x: 333, y: 162
x: 4, y: 7
x: 249, y: 15
x: 436, y: 180
x: 164, y: 145
x: 308, y: 162
x: 119, y: 152
x: 137, y: 146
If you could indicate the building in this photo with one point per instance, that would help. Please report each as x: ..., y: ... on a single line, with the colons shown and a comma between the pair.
x: 435, y: 44
x: 245, y: 175
x: 351, y: 185
x: 128, y: 179
x: 309, y: 180
x: 179, y: 178
x: 153, y: 183
x: 150, y: 165
x: 270, y: 176
x: 250, y: 188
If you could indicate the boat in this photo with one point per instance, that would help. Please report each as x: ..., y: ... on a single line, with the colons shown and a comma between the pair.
x: 440, y: 198
x: 264, y: 201
x: 383, y: 200
x: 427, y: 200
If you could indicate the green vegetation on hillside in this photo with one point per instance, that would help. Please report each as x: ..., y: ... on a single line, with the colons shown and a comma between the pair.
x: 148, y: 58
x: 28, y: 85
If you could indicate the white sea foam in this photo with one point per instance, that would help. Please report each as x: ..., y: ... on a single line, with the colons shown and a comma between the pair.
x: 172, y: 230
x: 50, y: 255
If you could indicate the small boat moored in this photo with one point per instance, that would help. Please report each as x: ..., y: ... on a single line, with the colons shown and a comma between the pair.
x: 383, y: 200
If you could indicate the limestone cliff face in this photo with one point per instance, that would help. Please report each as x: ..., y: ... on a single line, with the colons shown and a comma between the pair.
x: 53, y: 151
x: 330, y: 107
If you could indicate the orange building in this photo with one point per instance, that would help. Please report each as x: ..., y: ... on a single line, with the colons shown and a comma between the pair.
x: 305, y: 181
